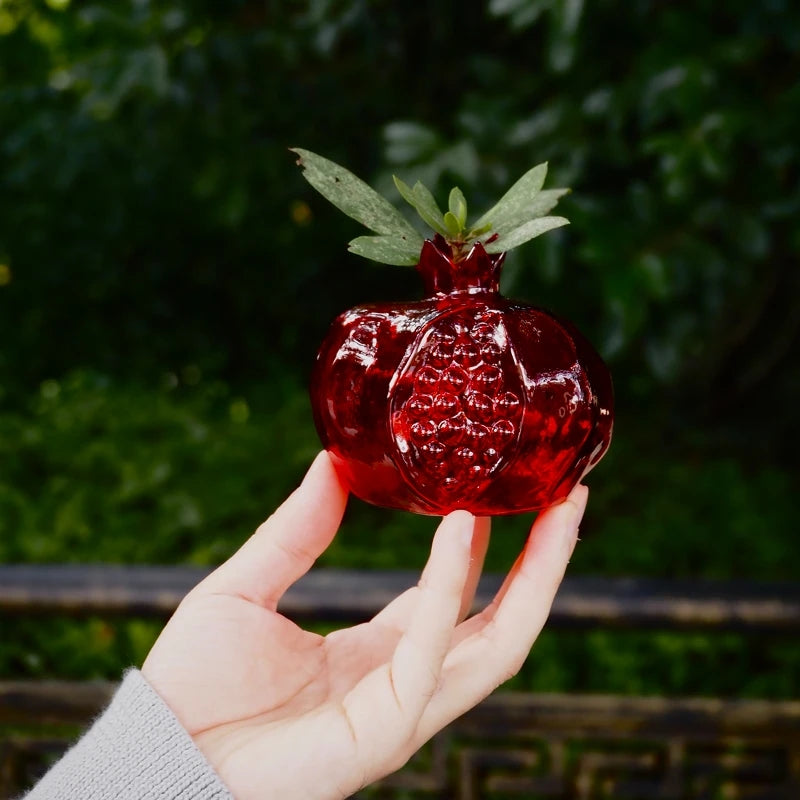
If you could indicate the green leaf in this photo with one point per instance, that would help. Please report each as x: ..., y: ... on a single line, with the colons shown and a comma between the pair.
x: 516, y: 202
x: 428, y: 208
x: 544, y: 202
x: 452, y: 224
x: 406, y: 192
x: 424, y: 203
x: 524, y: 233
x: 474, y: 233
x: 354, y: 197
x: 395, y: 250
x: 457, y: 204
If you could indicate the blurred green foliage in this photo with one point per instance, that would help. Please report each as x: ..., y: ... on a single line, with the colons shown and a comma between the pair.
x: 166, y: 276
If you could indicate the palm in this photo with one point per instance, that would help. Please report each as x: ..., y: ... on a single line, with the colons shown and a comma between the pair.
x: 263, y: 664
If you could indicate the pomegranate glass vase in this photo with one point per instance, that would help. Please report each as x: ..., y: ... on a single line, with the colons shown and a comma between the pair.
x: 464, y: 399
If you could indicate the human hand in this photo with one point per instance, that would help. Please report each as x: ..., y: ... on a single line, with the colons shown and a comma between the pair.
x: 282, y: 712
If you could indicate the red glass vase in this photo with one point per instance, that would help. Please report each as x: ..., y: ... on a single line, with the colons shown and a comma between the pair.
x: 462, y: 400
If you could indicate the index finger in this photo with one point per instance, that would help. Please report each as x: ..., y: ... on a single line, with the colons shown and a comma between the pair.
x: 284, y: 547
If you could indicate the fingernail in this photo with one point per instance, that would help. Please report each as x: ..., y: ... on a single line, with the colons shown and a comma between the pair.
x: 466, y: 527
x: 578, y: 497
x: 468, y: 533
x: 322, y: 463
x: 319, y: 460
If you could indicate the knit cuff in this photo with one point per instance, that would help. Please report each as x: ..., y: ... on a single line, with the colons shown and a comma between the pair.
x: 136, y: 750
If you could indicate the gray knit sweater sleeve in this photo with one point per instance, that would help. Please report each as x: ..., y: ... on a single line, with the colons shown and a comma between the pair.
x: 136, y: 750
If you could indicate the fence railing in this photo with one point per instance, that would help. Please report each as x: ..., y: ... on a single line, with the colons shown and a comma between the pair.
x: 522, y: 745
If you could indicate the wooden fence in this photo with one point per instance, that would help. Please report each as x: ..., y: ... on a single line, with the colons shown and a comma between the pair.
x: 514, y: 745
